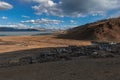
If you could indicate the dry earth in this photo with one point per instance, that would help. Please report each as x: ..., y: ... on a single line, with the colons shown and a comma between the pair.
x: 15, y: 43
x: 81, y: 68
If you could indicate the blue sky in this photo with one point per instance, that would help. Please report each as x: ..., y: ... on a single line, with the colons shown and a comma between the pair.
x: 55, y: 14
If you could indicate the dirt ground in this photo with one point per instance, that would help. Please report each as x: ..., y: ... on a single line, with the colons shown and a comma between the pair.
x: 81, y: 68
x: 78, y: 69
x: 16, y: 43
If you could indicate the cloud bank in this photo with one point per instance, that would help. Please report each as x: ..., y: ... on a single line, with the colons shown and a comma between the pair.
x: 75, y: 8
x: 17, y: 25
x: 42, y: 21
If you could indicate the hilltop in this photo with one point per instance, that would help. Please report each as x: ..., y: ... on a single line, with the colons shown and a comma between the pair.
x: 104, y: 30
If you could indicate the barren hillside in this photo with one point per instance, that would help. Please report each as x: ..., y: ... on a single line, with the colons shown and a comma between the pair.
x: 104, y: 30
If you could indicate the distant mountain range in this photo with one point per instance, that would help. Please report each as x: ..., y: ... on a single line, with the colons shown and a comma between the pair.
x: 104, y: 30
x: 16, y: 29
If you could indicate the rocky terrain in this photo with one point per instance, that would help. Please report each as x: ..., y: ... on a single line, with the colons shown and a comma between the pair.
x: 104, y: 30
x: 94, y: 62
x: 51, y: 58
x: 17, y: 58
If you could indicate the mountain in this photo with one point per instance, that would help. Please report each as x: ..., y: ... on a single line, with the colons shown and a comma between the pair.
x: 104, y: 30
x: 16, y: 29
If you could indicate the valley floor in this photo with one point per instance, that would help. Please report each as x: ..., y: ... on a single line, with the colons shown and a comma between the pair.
x: 16, y: 43
x: 80, y: 68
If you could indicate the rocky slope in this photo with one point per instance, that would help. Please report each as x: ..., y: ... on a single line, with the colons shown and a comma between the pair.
x: 104, y: 30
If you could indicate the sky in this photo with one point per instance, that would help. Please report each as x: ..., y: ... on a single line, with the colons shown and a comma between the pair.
x: 55, y: 14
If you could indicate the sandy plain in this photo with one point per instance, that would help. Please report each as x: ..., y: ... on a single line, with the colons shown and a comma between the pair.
x: 16, y: 43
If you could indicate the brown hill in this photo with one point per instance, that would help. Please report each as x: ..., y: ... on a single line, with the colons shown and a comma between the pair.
x: 104, y: 30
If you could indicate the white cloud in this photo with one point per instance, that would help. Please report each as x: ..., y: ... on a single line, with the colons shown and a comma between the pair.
x: 37, y: 1
x: 44, y: 7
x: 4, y: 17
x: 16, y: 25
x: 42, y: 21
x: 5, y: 5
x: 72, y: 22
x: 7, y: 25
x: 20, y: 25
x: 75, y: 8
x: 24, y: 16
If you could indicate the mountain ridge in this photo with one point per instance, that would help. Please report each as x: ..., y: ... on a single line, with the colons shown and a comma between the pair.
x: 16, y: 29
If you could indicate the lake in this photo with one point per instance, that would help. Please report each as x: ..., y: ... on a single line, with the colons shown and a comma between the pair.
x: 23, y: 33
